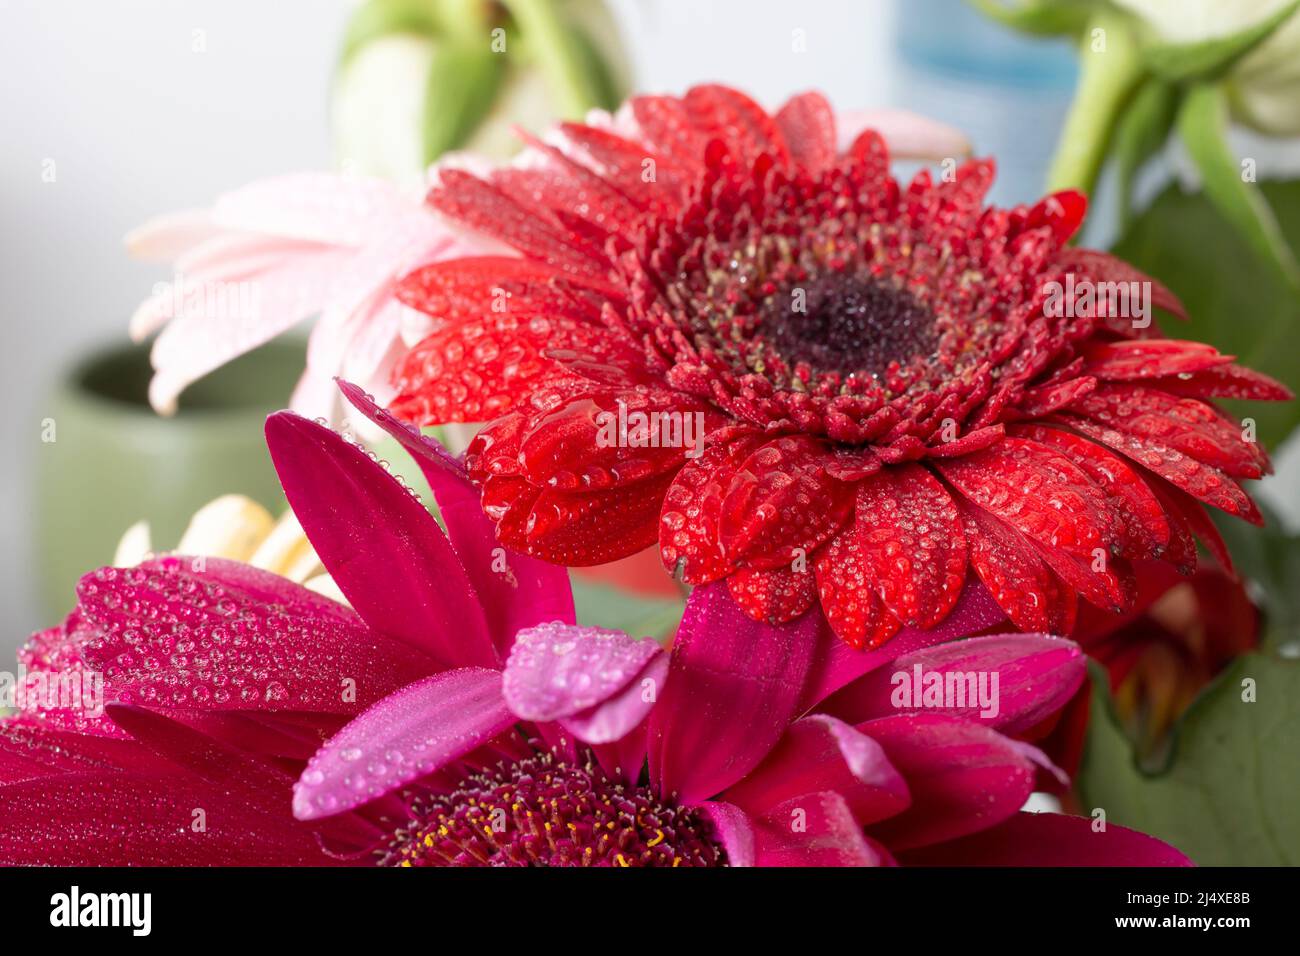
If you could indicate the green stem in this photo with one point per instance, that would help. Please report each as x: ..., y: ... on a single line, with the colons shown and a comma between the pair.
x: 1107, y: 79
x: 559, y: 55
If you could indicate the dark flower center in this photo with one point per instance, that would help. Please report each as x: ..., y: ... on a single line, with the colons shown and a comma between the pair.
x: 848, y: 325
x: 544, y: 811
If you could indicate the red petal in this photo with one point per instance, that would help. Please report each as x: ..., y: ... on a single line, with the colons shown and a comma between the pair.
x: 1015, y: 574
x: 688, y: 525
x: 480, y: 285
x: 487, y: 209
x: 912, y: 543
x: 1194, y: 519
x: 1200, y: 481
x: 595, y: 528
x: 808, y: 124
x: 479, y: 369
x: 1143, y: 529
x: 780, y: 501
x: 1183, y: 424
x: 620, y: 160
x: 1226, y: 381
x: 1038, y: 491
x: 1150, y: 358
x: 1111, y: 586
x: 602, y: 441
x: 720, y: 112
x: 845, y: 587
x: 1103, y: 267
x: 666, y: 124
x: 1062, y: 212
x: 773, y: 596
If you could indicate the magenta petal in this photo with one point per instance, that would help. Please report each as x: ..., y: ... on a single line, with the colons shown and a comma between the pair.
x: 556, y: 670
x: 260, y: 585
x: 1050, y: 839
x: 408, y: 734
x: 29, y: 750
x: 623, y: 759
x: 165, y: 634
x: 731, y: 828
x: 838, y: 664
x: 262, y: 785
x: 621, y: 714
x: 516, y: 591
x: 733, y: 686
x: 133, y: 819
x: 820, y: 753
x: 963, y: 777
x: 381, y: 546
x: 1036, y: 675
x: 814, y: 829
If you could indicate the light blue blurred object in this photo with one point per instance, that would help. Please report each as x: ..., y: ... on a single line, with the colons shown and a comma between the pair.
x: 1009, y: 93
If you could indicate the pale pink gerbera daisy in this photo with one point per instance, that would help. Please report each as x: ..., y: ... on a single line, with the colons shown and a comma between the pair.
x: 277, y: 251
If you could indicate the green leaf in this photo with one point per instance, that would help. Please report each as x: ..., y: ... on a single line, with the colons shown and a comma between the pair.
x: 1142, y: 131
x: 460, y: 91
x: 1210, y: 59
x: 1039, y: 17
x: 1203, y: 126
x: 1227, y: 796
x: 380, y: 18
x: 1109, y: 72
x: 600, y: 605
x: 1235, y: 301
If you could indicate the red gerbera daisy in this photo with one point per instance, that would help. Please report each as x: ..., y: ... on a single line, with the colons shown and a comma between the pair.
x: 894, y: 384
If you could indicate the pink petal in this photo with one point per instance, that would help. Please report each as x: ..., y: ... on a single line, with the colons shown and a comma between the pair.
x: 1050, y: 839
x: 908, y: 135
x: 963, y: 777
x: 733, y: 687
x: 410, y: 733
x: 322, y: 207
x: 222, y: 323
x: 223, y: 258
x: 820, y: 753
x: 837, y: 664
x: 361, y: 291
x: 1036, y: 675
x: 381, y: 546
x: 167, y: 236
x: 814, y: 829
x: 731, y: 828
x: 516, y: 591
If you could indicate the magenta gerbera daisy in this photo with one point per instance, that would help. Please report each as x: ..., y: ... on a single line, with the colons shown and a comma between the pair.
x: 470, y: 721
x: 893, y: 385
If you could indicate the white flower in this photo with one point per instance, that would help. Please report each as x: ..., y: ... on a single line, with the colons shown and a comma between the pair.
x: 1264, y: 85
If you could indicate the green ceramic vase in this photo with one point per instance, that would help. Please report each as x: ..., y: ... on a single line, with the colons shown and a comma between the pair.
x: 108, y: 460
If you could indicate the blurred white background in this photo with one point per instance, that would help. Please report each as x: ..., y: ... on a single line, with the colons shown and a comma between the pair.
x: 137, y: 123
